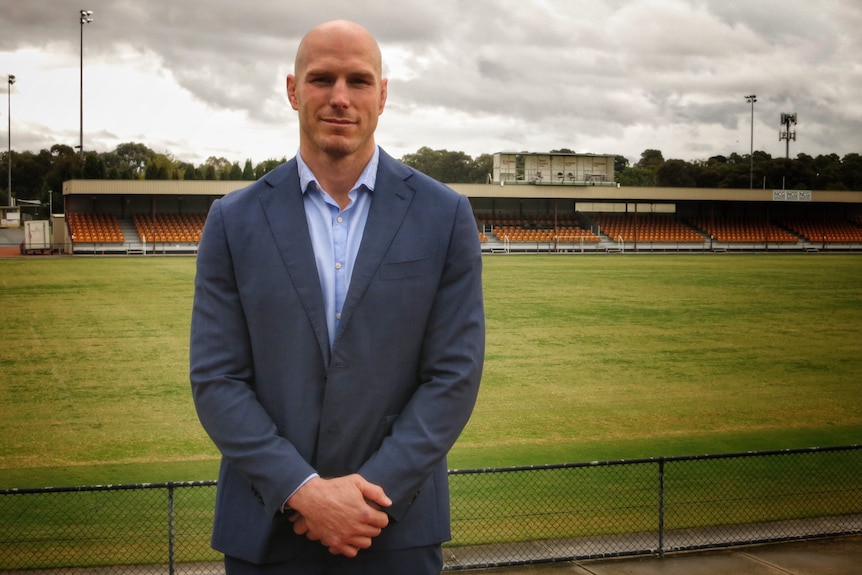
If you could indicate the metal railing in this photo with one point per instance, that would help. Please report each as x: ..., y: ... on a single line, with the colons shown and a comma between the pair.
x: 652, y: 506
x: 500, y: 516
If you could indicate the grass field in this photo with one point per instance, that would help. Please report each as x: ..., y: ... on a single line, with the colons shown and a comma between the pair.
x: 588, y: 357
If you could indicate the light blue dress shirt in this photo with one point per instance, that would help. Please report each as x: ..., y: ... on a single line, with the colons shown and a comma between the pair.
x: 336, y: 234
x: 335, y: 238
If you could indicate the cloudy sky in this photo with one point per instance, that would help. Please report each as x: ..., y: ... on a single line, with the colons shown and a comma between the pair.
x: 201, y: 78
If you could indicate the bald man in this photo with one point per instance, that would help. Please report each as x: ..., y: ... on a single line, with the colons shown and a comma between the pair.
x: 337, y: 338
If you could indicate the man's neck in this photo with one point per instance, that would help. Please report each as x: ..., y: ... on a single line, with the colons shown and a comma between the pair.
x: 337, y: 175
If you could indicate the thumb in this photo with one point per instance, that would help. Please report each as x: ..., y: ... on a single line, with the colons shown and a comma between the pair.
x: 374, y: 493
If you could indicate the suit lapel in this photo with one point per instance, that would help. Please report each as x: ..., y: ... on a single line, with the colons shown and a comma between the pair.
x: 285, y: 214
x: 390, y: 200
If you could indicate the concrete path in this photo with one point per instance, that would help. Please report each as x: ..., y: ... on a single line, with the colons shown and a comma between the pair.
x: 838, y: 556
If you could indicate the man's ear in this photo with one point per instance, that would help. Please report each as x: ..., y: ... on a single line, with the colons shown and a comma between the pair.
x: 291, y: 91
x: 384, y: 91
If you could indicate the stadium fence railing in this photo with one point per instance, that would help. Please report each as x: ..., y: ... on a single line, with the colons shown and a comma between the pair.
x: 500, y: 516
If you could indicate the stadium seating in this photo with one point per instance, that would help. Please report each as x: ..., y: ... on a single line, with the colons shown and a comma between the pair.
x: 94, y: 228
x: 739, y: 230
x: 100, y: 228
x: 169, y: 228
x: 825, y: 230
x: 658, y: 228
x: 561, y: 234
x: 538, y: 228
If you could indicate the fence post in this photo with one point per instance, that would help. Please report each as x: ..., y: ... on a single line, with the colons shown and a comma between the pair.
x: 171, y: 558
x: 661, y: 507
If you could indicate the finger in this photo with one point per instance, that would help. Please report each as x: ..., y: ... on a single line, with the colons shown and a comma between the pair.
x: 374, y: 494
x: 347, y: 550
x: 300, y: 526
x: 374, y: 519
x: 350, y: 553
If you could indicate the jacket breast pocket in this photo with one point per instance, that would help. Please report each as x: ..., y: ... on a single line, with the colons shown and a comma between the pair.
x: 406, y: 269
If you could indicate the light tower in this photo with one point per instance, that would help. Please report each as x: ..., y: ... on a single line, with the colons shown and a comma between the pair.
x: 751, y: 98
x: 86, y: 18
x: 786, y: 121
x: 11, y: 79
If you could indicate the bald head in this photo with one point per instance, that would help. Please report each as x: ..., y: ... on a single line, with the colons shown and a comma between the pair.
x: 338, y: 91
x: 341, y: 35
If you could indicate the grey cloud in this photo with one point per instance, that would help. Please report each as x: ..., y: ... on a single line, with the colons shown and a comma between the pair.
x: 580, y: 70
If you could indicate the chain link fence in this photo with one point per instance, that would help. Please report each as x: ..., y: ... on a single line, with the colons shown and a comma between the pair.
x: 146, y: 528
x: 652, y: 506
x: 500, y: 517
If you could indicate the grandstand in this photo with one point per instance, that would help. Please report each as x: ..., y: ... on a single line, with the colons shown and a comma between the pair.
x: 138, y: 216
x: 154, y: 216
x: 743, y: 230
x: 169, y: 228
x: 826, y: 230
x: 540, y: 217
x: 94, y: 228
x: 541, y: 228
x: 661, y: 228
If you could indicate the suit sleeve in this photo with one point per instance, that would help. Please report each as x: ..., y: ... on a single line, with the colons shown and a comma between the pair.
x: 450, y: 370
x: 222, y: 377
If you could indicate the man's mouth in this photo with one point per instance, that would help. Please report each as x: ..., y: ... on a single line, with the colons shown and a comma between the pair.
x: 338, y: 121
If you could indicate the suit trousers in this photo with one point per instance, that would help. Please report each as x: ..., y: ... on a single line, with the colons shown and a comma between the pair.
x: 319, y: 561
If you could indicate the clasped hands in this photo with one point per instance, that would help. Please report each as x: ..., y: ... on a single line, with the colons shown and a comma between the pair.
x: 343, y: 513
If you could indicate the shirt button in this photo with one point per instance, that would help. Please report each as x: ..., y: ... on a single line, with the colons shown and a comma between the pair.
x: 339, y: 219
x: 338, y: 265
x: 338, y: 316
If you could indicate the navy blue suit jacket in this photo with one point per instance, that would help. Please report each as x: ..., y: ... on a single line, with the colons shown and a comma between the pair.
x: 390, y: 397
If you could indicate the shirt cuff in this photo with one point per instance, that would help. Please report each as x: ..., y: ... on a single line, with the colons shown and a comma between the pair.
x: 285, y: 508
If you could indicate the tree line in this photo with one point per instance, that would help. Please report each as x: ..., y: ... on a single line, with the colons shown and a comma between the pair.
x: 40, y: 176
x: 760, y: 170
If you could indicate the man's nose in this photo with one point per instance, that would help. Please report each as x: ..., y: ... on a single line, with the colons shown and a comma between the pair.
x: 339, y: 97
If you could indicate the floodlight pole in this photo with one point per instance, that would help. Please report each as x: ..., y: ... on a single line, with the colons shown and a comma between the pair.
x: 787, y: 134
x: 86, y: 18
x: 752, y: 98
x: 11, y: 80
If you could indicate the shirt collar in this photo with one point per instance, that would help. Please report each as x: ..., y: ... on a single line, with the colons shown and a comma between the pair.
x: 368, y: 177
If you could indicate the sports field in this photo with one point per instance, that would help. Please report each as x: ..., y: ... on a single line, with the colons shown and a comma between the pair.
x: 588, y: 357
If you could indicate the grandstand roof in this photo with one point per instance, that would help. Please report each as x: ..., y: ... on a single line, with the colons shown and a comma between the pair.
x: 548, y: 190
x: 152, y: 187
x: 636, y: 193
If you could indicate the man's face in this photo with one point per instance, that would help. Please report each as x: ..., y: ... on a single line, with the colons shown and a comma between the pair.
x: 339, y: 94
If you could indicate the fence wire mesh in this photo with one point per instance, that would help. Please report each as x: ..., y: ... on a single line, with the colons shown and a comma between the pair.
x: 500, y: 517
x: 133, y: 526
